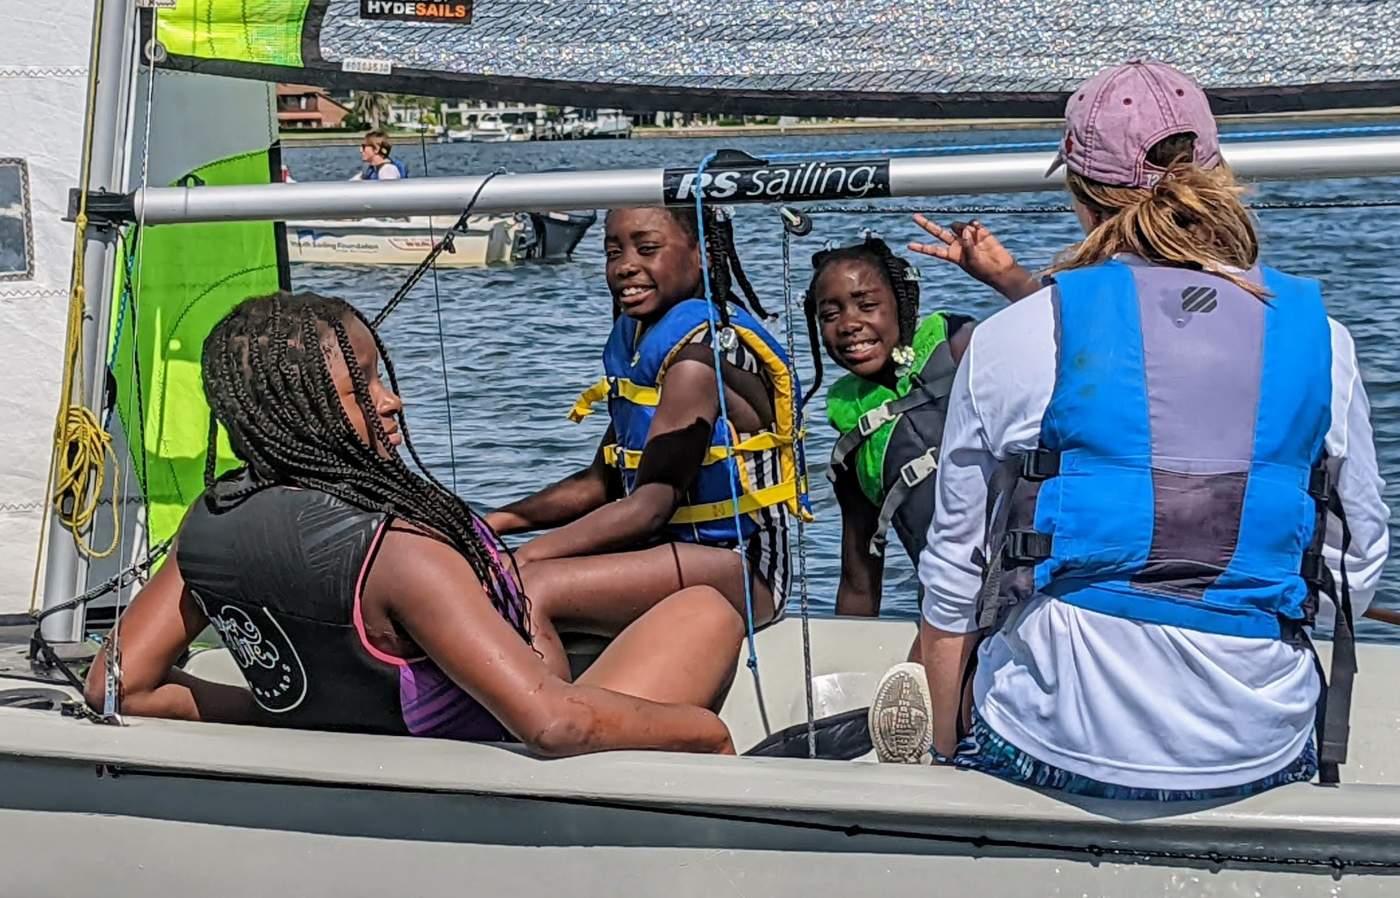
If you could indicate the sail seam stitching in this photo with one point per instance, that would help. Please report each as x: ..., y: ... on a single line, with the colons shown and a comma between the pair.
x: 42, y: 72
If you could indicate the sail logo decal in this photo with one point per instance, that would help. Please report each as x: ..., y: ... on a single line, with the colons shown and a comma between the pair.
x: 268, y: 660
x: 457, y: 12
x: 756, y: 182
x: 1198, y: 299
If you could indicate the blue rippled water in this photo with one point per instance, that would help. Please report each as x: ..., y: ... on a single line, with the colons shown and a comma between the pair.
x: 520, y: 341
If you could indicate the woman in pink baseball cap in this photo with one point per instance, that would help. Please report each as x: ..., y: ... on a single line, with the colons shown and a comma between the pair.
x: 1140, y: 464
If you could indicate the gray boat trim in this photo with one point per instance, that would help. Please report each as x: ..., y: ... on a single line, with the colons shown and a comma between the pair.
x: 917, y: 809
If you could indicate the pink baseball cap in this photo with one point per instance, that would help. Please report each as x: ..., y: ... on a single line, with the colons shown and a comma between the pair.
x: 1115, y: 117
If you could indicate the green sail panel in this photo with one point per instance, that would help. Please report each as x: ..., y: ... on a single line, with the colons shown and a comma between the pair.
x: 183, y: 280
x: 266, y: 32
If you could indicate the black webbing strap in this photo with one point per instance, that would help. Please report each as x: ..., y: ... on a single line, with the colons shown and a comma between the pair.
x: 872, y: 421
x: 1334, y: 711
x: 1010, y: 548
x: 915, y: 472
x: 999, y: 495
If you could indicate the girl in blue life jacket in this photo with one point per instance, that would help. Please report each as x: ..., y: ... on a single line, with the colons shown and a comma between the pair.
x: 653, y: 513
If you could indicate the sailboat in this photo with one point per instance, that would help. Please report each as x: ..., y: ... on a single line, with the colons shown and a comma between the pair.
x: 179, y: 210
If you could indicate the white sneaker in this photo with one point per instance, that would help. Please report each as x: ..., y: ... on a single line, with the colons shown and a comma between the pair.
x: 901, y: 716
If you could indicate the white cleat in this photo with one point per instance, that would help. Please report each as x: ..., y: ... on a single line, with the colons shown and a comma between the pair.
x: 901, y: 716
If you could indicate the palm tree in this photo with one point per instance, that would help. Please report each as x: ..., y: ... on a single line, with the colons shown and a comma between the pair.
x: 372, y: 108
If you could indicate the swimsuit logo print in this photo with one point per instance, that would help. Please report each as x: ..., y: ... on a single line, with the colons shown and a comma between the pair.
x: 1198, y: 299
x: 268, y: 660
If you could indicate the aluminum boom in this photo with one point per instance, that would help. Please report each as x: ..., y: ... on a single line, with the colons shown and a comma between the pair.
x: 824, y: 179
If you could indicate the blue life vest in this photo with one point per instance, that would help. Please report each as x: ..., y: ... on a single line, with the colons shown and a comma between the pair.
x: 1180, y: 476
x: 371, y: 172
x: 634, y: 371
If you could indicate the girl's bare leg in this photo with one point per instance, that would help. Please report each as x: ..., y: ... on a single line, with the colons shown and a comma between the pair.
x: 602, y: 594
x: 683, y: 650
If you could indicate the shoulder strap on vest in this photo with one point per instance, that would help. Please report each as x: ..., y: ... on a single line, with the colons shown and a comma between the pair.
x: 911, y: 475
x: 1334, y: 707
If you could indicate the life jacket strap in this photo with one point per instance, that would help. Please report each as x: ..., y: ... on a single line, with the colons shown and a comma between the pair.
x: 1010, y: 547
x: 631, y: 459
x: 613, y: 388
x: 748, y: 503
x: 911, y: 475
x: 1334, y: 705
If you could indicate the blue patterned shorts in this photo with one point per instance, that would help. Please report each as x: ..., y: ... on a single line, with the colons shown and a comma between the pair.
x: 983, y: 749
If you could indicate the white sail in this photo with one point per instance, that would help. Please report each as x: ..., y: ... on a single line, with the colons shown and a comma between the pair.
x: 43, y: 80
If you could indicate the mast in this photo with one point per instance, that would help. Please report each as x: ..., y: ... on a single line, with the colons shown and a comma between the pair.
x: 65, y: 567
x: 783, y: 178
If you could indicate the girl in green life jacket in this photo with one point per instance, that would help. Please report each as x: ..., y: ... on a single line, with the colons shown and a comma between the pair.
x: 863, y: 304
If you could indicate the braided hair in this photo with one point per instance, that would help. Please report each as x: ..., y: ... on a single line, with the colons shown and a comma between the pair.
x: 899, y: 273
x: 268, y: 381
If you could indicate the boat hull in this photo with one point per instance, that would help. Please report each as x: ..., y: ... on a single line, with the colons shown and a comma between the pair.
x: 175, y: 803
x: 489, y: 239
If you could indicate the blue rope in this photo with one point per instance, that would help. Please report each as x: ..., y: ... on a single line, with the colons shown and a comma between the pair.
x: 965, y: 149
x: 723, y: 421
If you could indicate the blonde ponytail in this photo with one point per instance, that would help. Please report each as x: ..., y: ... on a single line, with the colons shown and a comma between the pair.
x: 1192, y: 218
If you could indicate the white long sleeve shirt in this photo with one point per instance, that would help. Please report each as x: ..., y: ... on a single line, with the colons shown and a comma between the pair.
x: 1124, y: 702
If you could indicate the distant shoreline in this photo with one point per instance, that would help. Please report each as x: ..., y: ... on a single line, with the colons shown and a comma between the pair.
x: 319, y: 138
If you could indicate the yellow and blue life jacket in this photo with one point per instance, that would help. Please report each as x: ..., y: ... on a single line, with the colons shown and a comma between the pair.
x: 634, y: 368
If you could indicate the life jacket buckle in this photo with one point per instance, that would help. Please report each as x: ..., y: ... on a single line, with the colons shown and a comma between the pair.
x: 1312, y: 570
x: 1040, y: 464
x: 919, y: 469
x: 1022, y: 547
x: 874, y: 419
x: 1320, y: 483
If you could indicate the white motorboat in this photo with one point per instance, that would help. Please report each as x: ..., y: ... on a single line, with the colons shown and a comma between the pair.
x: 405, y: 241
x: 489, y: 239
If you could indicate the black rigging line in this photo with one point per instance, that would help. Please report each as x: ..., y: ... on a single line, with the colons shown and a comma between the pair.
x: 460, y: 227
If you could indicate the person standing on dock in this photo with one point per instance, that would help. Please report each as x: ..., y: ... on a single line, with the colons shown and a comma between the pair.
x: 1155, y: 473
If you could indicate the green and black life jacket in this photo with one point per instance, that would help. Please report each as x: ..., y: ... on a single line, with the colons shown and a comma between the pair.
x: 890, y: 437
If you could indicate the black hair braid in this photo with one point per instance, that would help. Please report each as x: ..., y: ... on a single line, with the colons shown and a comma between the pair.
x: 896, y: 272
x: 905, y: 289
x: 724, y: 233
x: 717, y: 259
x: 269, y: 383
x: 814, y: 334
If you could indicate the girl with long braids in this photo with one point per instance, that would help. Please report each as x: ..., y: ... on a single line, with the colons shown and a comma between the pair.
x: 653, y: 513
x: 356, y: 593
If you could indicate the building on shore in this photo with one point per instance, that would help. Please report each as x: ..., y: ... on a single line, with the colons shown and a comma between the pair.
x: 307, y: 106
